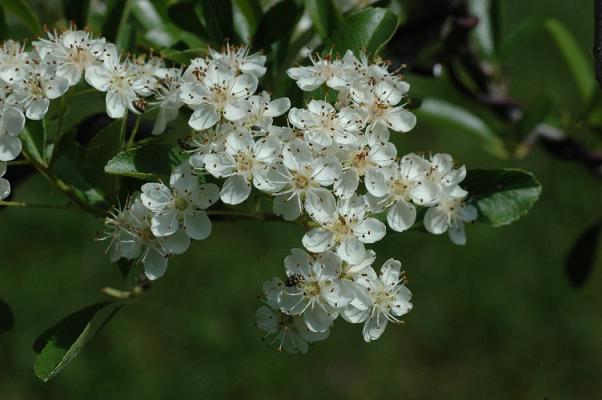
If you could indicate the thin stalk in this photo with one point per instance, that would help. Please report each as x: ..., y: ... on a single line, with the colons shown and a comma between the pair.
x: 134, y: 131
x: 20, y: 204
x: 124, y: 125
x: 19, y: 162
x: 260, y: 216
x: 59, y: 126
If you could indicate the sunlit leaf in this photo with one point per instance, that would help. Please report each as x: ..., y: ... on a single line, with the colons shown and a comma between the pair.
x: 501, y: 196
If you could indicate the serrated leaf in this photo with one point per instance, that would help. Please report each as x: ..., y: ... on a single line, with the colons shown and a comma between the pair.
x: 501, y: 196
x: 7, y: 319
x: 61, y: 343
x: 581, y: 259
x: 23, y: 11
x: 276, y: 24
x: 147, y: 162
x: 325, y: 16
x: 369, y: 29
x: 454, y: 117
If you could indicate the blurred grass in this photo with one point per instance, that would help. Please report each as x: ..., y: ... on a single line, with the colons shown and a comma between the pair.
x: 496, y: 319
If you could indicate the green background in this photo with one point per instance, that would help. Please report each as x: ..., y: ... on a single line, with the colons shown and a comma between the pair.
x: 496, y: 319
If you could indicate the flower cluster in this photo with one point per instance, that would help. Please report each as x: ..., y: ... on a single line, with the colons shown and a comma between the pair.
x: 329, y: 166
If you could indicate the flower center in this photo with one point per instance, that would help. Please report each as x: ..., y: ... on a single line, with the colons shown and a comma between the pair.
x: 301, y: 181
x: 146, y: 234
x: 399, y: 188
x: 244, y: 162
x: 181, y: 204
x: 312, y: 289
x: 361, y: 162
x: 341, y: 229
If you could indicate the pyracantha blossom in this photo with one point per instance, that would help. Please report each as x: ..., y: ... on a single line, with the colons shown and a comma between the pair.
x: 181, y: 205
x: 167, y: 97
x: 119, y: 81
x: 398, y: 186
x: 72, y: 51
x: 313, y: 289
x: 4, y: 184
x: 289, y: 331
x: 323, y: 124
x: 39, y: 85
x: 263, y: 111
x: 447, y: 178
x: 323, y: 70
x: 202, y: 143
x: 131, y: 237
x: 244, y: 162
x: 387, y: 299
x: 12, y: 122
x: 345, y: 227
x: 220, y: 93
x: 302, y: 177
x: 238, y: 60
x: 450, y: 215
x: 13, y: 61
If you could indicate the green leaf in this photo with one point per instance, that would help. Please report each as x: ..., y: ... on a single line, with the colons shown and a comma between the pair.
x: 276, y: 24
x: 147, y: 162
x: 453, y: 117
x: 183, y: 57
x: 23, y: 11
x: 103, y: 146
x: 325, y: 16
x: 7, y: 319
x: 67, y: 164
x: 77, y: 11
x: 580, y: 261
x: 32, y: 138
x: 369, y: 29
x: 61, y: 343
x: 217, y: 16
x: 501, y: 196
x: 251, y: 9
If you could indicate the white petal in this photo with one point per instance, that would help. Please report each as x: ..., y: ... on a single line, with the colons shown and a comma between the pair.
x: 37, y: 109
x: 318, y: 240
x: 351, y: 250
x: 278, y: 107
x: 326, y: 170
x: 4, y: 188
x: 321, y: 205
x: 56, y: 87
x: 203, y: 117
x: 370, y: 230
x: 98, y: 78
x: 13, y: 120
x: 377, y: 182
x: 457, y: 234
x: 374, y: 327
x: 165, y: 223
x: 177, y: 243
x: 244, y: 85
x: 207, y: 195
x: 316, y: 319
x: 155, y: 264
x: 236, y: 189
x: 236, y: 110
x: 116, y: 104
x: 155, y: 196
x: 346, y: 186
x: 197, y: 225
x: 390, y: 272
x: 10, y: 147
x: 401, y: 120
x: 267, y: 149
x: 288, y: 208
x: 296, y: 155
x: 401, y: 216
x: 220, y: 164
x: 436, y: 220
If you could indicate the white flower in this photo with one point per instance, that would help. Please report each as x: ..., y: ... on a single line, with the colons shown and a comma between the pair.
x: 312, y: 289
x: 359, y: 162
x: 131, y: 237
x: 301, y: 177
x: 182, y: 204
x: 167, y: 96
x: 72, y: 51
x: 13, y: 61
x: 323, y: 70
x: 202, y: 143
x: 450, y: 215
x: 36, y: 88
x: 263, y: 111
x: 12, y: 122
x: 289, y: 331
x: 4, y: 184
x: 323, y: 124
x: 238, y: 60
x: 398, y: 185
x: 120, y: 83
x: 243, y: 162
x: 381, y: 105
x: 219, y: 93
x: 345, y: 227
x: 388, y: 299
x: 447, y: 178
